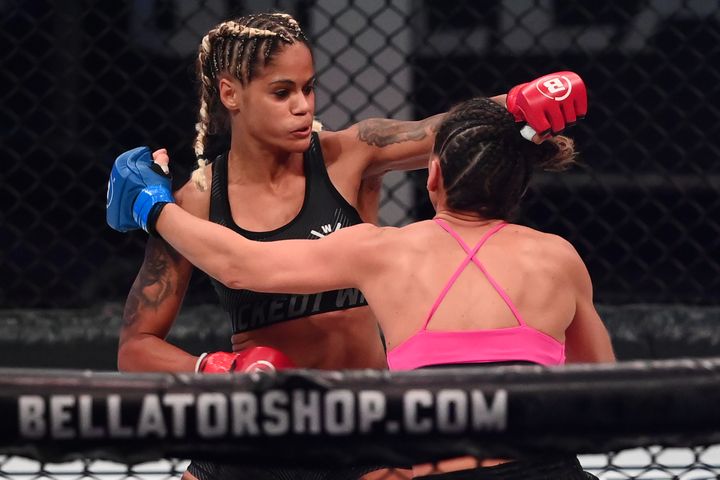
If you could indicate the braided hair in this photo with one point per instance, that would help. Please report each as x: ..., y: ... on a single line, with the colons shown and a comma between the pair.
x: 486, y: 164
x: 237, y: 48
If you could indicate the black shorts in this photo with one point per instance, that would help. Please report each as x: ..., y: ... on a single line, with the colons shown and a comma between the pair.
x: 228, y: 471
x: 563, y: 468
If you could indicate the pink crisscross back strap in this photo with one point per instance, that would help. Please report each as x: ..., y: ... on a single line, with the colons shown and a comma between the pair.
x: 471, y: 258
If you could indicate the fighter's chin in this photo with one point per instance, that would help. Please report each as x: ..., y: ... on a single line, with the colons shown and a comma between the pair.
x: 299, y: 144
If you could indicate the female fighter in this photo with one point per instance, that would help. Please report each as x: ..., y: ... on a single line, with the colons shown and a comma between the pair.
x: 466, y: 287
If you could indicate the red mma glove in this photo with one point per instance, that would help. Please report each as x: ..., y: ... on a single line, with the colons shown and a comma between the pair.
x: 255, y: 359
x: 548, y: 104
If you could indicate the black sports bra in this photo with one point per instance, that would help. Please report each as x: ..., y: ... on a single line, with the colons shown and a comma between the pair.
x: 323, y: 211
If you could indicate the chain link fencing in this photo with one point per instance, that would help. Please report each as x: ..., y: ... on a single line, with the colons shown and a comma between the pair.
x: 85, y: 81
x: 698, y: 463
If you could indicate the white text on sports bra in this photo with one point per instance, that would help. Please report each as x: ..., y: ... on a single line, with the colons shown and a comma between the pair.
x: 278, y: 309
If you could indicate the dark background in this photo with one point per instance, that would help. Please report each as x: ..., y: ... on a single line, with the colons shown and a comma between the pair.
x: 83, y: 81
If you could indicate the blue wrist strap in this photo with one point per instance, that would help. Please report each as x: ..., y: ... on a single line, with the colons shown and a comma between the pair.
x: 146, y: 199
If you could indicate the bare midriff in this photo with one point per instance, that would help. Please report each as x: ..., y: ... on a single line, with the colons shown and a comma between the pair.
x: 345, y: 339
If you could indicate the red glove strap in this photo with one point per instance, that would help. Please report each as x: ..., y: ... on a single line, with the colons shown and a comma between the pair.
x: 217, y: 362
x: 255, y: 359
x: 511, y: 102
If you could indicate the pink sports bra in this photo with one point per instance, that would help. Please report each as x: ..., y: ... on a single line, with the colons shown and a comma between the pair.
x: 520, y: 343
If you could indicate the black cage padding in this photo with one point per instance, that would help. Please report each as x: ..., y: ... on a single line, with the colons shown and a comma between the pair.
x: 360, y: 417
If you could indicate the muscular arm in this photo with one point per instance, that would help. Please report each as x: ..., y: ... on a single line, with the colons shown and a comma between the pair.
x: 397, y: 145
x: 299, y: 266
x: 586, y: 339
x: 156, y: 297
x: 150, y: 310
x: 386, y: 145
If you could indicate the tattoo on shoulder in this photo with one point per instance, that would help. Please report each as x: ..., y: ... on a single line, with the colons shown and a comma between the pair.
x: 381, y: 132
x: 155, y: 282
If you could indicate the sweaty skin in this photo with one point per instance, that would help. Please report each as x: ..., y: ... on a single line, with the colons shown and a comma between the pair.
x: 269, y: 119
x: 265, y: 171
x: 273, y: 183
x: 402, y: 270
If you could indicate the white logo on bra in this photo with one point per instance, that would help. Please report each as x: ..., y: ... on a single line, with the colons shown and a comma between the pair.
x: 326, y: 230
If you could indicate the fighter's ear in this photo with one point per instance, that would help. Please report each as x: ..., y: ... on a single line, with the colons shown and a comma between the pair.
x: 230, y: 90
x: 434, y: 174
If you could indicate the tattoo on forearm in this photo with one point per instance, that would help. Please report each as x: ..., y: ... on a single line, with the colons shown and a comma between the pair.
x: 155, y: 282
x: 381, y: 132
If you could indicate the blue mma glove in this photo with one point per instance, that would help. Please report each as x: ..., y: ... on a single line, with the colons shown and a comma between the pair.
x: 138, y: 189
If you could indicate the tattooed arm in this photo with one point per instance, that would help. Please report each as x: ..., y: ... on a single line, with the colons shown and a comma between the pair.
x: 156, y: 297
x: 395, y: 144
x: 384, y: 144
x: 150, y: 310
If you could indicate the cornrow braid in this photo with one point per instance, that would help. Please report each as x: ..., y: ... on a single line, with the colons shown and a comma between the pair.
x: 291, y: 21
x: 235, y: 47
x: 486, y: 164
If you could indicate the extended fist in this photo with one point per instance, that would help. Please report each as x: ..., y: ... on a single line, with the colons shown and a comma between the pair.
x: 548, y: 104
x: 255, y: 359
x: 137, y: 190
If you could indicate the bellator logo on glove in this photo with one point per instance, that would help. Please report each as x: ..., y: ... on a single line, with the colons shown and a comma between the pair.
x: 547, y: 105
x: 556, y: 88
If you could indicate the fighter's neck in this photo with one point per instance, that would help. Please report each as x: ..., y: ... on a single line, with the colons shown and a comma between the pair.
x: 469, y: 219
x: 252, y: 162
